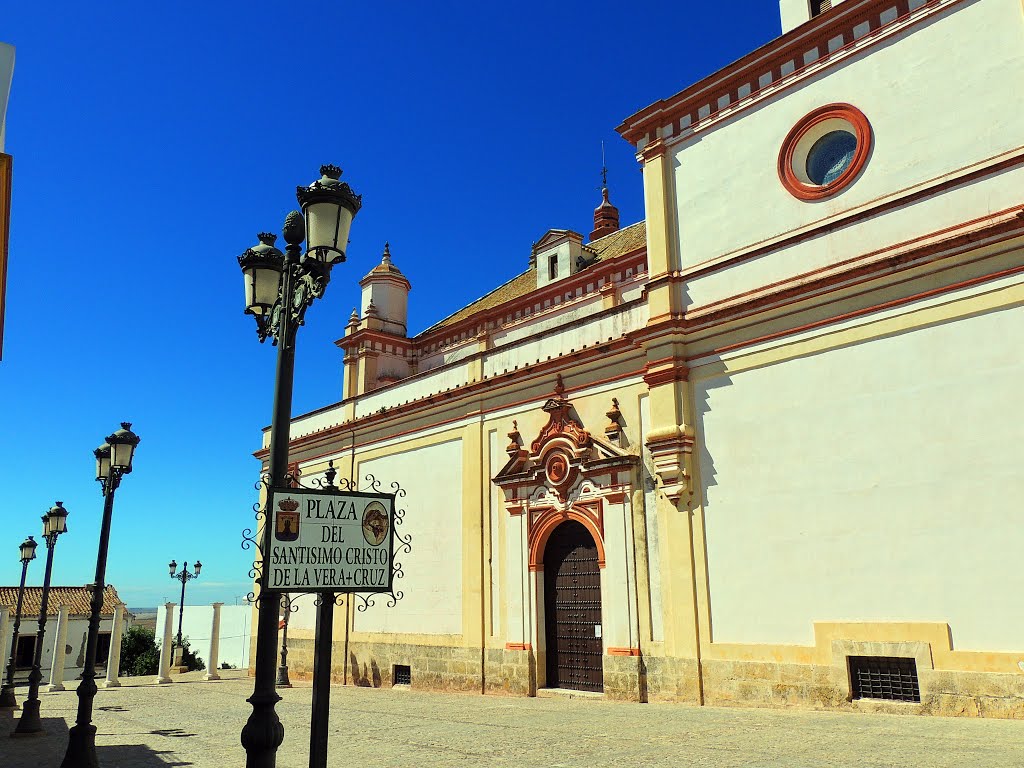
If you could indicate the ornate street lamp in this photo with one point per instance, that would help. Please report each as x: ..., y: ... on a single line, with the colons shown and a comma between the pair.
x: 27, y: 552
x: 184, y: 576
x: 55, y: 522
x: 113, y: 461
x: 328, y: 206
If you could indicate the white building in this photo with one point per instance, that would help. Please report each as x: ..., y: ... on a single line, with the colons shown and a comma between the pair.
x: 760, y: 449
x: 65, y: 604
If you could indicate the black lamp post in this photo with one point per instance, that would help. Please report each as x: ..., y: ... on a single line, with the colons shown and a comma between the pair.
x: 279, y: 288
x: 113, y: 461
x: 184, y: 576
x: 28, y: 553
x: 282, y: 670
x: 55, y: 522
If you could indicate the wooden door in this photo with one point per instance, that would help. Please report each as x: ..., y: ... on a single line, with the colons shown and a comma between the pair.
x: 572, y: 607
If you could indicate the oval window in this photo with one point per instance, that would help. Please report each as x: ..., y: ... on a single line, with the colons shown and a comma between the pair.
x: 825, y: 151
x: 830, y: 155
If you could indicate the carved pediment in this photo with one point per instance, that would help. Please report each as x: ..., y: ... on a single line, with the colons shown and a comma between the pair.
x: 561, y: 453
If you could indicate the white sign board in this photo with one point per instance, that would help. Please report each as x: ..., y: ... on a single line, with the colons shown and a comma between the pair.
x: 327, y: 541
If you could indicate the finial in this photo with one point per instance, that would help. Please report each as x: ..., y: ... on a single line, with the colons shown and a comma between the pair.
x: 354, y: 317
x: 604, y: 170
x: 559, y: 386
x: 386, y: 258
x: 267, y: 238
x: 294, y: 228
x: 330, y: 472
x: 332, y: 171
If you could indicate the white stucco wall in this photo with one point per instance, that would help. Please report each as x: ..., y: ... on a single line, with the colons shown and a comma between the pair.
x: 432, y: 479
x: 880, y: 481
x: 235, y: 631
x: 6, y: 75
x: 74, y: 649
x: 933, y: 99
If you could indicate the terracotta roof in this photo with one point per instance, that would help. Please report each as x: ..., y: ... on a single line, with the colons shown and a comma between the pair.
x: 76, y: 598
x: 608, y: 247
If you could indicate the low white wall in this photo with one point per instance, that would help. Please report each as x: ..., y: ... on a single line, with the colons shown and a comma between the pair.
x: 235, y: 631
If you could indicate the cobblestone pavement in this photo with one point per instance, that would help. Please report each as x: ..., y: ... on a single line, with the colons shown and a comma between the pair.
x: 195, y: 723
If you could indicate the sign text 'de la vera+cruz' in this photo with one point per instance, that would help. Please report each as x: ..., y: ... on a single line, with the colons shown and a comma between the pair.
x: 325, y: 541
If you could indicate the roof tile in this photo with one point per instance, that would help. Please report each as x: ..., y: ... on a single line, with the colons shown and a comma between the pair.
x: 76, y: 598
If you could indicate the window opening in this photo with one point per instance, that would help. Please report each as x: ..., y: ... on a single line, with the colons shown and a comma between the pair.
x: 884, y: 677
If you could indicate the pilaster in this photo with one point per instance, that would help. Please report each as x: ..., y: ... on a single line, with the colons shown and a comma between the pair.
x: 164, y: 675
x: 114, y: 657
x: 214, y: 660
x: 59, y: 646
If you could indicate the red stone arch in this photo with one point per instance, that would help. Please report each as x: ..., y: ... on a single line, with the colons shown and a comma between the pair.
x: 551, y: 519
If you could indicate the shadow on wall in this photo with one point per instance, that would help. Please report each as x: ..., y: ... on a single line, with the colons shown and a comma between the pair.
x: 367, y: 676
x: 702, y: 392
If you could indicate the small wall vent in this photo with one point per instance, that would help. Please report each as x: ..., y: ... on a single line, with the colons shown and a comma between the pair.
x: 820, y: 6
x: 884, y: 677
x: 401, y: 674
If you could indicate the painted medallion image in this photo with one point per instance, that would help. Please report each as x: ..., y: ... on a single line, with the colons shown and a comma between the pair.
x: 375, y: 523
x: 287, y: 524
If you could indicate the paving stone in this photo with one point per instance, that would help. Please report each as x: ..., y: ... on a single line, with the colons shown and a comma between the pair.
x: 196, y: 723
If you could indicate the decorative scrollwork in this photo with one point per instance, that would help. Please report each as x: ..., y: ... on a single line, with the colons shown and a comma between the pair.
x: 374, y: 483
x: 404, y: 542
x: 249, y: 541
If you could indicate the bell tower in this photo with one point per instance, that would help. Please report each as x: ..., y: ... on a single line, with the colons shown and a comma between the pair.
x: 386, y: 296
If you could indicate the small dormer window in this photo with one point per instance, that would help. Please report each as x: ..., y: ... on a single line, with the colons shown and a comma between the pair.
x: 553, y: 266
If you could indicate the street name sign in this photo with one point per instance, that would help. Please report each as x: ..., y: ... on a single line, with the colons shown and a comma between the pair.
x: 330, y: 541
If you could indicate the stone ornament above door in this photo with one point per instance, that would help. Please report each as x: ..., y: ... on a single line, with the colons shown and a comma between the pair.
x: 563, y: 454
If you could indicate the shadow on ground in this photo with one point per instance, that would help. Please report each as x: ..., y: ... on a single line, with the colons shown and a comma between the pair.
x: 136, y: 756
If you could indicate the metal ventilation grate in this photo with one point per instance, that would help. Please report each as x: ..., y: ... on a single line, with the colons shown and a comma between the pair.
x: 884, y: 677
x: 401, y: 674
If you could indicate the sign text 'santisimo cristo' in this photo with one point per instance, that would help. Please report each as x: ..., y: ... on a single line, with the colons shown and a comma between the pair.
x: 331, y: 542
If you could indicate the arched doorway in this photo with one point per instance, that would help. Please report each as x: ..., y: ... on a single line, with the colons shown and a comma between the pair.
x: 572, y: 609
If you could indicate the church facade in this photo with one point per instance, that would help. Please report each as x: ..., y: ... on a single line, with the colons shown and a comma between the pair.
x: 758, y: 449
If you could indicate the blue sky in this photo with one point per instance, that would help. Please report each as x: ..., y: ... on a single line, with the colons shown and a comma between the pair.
x: 152, y: 142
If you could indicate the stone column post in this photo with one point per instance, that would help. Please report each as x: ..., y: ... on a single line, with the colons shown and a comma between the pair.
x: 59, y: 646
x: 114, y: 656
x: 165, y: 646
x: 5, y: 634
x: 213, y: 661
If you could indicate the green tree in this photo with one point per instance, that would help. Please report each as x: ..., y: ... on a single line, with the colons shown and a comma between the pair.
x: 190, y: 658
x: 139, y: 653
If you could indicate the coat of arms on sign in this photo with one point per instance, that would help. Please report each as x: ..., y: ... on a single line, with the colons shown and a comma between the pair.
x: 287, y: 524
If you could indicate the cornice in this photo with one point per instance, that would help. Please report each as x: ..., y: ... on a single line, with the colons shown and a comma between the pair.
x: 810, y: 47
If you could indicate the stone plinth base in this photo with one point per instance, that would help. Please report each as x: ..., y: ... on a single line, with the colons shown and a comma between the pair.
x: 808, y: 686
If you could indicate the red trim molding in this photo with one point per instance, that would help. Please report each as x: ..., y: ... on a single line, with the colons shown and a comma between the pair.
x: 623, y: 651
x: 590, y: 516
x: 518, y: 647
x: 862, y: 130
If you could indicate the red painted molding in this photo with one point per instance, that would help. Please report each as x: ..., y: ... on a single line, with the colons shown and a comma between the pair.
x: 861, y: 129
x: 623, y: 651
x: 546, y: 524
x: 789, y: 49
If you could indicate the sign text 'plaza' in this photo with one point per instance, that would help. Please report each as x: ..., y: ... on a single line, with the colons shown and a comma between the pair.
x: 325, y: 541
